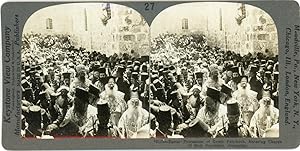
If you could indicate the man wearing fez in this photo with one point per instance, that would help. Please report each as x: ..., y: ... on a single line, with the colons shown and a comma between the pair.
x: 268, y: 80
x: 235, y: 78
x: 135, y: 83
x: 81, y: 79
x: 115, y: 100
x: 133, y: 119
x: 157, y: 89
x: 255, y: 82
x: 247, y: 99
x: 199, y: 78
x: 81, y: 114
x: 214, y: 81
x: 66, y: 79
x: 95, y: 73
x: 265, y: 117
x: 228, y: 72
x: 122, y: 83
x: 234, y: 126
x: 213, y: 112
x: 100, y: 84
x: 144, y: 89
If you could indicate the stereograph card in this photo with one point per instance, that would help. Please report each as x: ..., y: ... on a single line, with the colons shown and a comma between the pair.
x: 150, y: 74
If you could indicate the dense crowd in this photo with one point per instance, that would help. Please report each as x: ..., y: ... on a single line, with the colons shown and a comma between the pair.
x: 185, y: 88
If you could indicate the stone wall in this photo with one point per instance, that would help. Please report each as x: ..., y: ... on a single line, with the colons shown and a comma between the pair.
x: 125, y: 31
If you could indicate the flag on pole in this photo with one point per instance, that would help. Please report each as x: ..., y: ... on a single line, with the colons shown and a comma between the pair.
x: 108, y: 14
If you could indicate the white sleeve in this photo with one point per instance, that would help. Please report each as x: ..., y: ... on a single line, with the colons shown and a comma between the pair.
x: 201, y: 114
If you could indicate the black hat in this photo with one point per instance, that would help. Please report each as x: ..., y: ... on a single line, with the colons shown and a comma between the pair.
x: 28, y: 95
x: 135, y: 75
x: 94, y: 67
x: 107, y: 79
x: 172, y: 67
x: 253, y: 68
x: 233, y: 107
x: 213, y: 93
x: 144, y: 68
x: 103, y: 111
x: 38, y: 68
x: 66, y: 75
x: 198, y: 74
x: 270, y: 62
x: 82, y: 94
x: 276, y: 74
x: 129, y: 62
x: 157, y: 84
x: 26, y: 67
x: 268, y: 74
x: 101, y: 70
x: 28, y: 91
x: 228, y: 67
x: 34, y: 119
x: 94, y: 90
x: 164, y: 115
x: 35, y: 114
x: 25, y: 84
x: 121, y: 68
x: 33, y: 68
x: 160, y: 66
x: 103, y: 108
x: 197, y: 128
x: 144, y: 76
x: 235, y: 69
x: 226, y: 89
x: 243, y: 76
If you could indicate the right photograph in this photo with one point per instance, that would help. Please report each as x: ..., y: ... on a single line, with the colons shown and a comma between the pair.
x: 214, y: 71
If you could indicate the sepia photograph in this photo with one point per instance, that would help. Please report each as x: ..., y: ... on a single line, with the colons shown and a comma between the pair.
x: 200, y: 69
x: 85, y: 72
x: 215, y: 65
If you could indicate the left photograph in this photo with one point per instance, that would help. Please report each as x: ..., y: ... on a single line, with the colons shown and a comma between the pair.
x: 85, y: 73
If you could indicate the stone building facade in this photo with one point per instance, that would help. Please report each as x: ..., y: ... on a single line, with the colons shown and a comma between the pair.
x: 126, y: 30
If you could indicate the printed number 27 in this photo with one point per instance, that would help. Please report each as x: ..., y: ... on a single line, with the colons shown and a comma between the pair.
x: 149, y: 6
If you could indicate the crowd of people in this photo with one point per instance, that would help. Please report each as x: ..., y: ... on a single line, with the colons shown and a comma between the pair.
x: 184, y: 88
